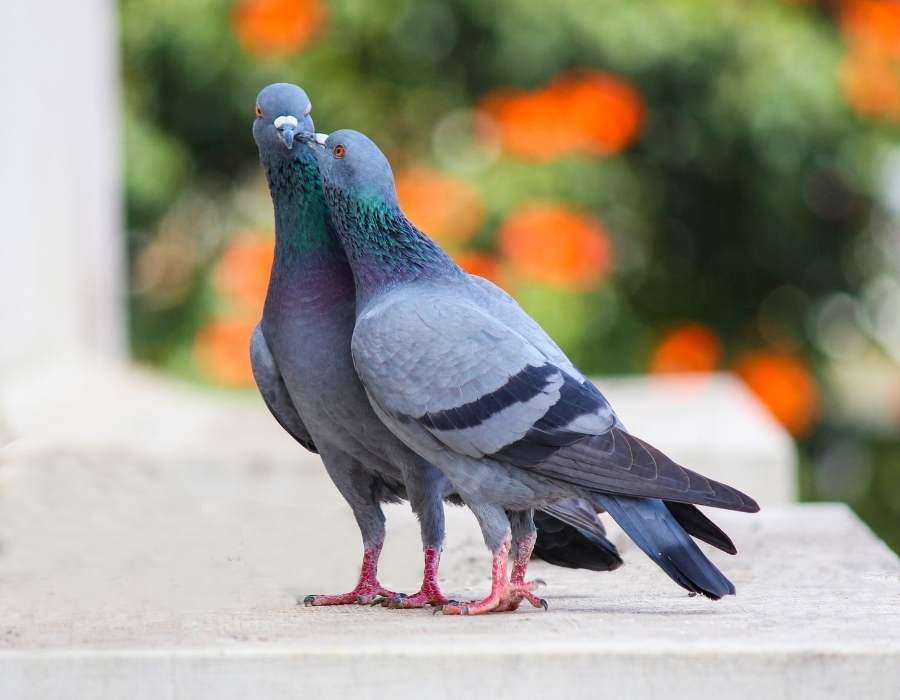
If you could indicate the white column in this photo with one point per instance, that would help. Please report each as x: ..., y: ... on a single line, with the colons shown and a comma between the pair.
x: 61, y: 244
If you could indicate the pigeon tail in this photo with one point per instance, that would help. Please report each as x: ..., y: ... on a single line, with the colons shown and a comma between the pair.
x: 698, y: 525
x: 655, y: 530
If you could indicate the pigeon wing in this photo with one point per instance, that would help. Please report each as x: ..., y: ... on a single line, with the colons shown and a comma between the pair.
x: 482, y: 389
x: 274, y: 392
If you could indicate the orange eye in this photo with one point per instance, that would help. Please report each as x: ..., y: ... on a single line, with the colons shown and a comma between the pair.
x: 258, y: 111
x: 339, y: 151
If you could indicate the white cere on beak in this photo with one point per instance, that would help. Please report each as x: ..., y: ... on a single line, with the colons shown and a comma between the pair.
x: 285, y: 120
x: 321, y: 139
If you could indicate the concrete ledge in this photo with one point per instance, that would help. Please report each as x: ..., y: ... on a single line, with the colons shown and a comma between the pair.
x: 153, y: 542
x: 551, y: 672
x: 816, y: 616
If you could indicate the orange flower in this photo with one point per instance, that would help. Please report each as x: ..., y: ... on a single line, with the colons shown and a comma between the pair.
x: 277, y: 27
x: 691, y: 347
x: 784, y: 385
x: 445, y: 207
x: 528, y: 124
x: 483, y: 265
x: 222, y: 351
x: 872, y: 84
x: 550, y: 243
x: 242, y: 273
x: 603, y: 110
x: 593, y: 113
x: 873, y: 24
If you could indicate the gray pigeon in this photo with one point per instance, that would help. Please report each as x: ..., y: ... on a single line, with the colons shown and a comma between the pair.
x: 301, y: 361
x: 458, y: 371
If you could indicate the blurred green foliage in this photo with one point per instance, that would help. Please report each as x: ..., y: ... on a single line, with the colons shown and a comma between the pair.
x: 750, y: 198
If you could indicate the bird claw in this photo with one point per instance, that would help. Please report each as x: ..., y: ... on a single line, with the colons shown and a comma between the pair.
x: 308, y: 600
x: 390, y: 601
x: 439, y: 607
x: 370, y: 598
x: 544, y: 604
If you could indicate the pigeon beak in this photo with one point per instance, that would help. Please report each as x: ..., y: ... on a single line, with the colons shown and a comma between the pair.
x: 287, y: 129
x: 314, y: 141
x: 287, y: 137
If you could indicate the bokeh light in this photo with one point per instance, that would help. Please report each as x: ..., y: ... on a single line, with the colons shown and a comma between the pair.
x: 872, y: 24
x: 590, y: 112
x: 783, y: 383
x: 871, y: 69
x: 277, y: 27
x: 222, y: 351
x: 484, y: 265
x: 548, y: 242
x: 242, y: 273
x: 690, y: 347
x: 446, y: 208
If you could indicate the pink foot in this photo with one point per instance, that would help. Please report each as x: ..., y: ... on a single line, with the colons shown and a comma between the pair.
x: 524, y: 548
x: 367, y: 590
x: 505, y: 595
x: 430, y: 592
x: 506, y: 599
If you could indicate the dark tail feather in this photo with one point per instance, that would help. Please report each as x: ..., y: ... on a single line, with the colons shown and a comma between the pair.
x: 654, y: 529
x: 698, y: 525
x: 582, y: 547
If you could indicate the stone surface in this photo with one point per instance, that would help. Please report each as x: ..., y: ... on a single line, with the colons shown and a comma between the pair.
x: 154, y: 540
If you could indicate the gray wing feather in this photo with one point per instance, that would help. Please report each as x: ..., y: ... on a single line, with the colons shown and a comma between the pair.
x: 578, y: 513
x: 484, y: 390
x: 506, y: 309
x: 274, y: 392
x: 466, y: 377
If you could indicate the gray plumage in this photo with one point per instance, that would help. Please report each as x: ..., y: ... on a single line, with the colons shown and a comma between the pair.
x: 467, y: 379
x: 300, y: 350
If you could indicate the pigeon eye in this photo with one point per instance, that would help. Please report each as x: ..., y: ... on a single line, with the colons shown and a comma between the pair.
x: 258, y: 112
x: 340, y: 151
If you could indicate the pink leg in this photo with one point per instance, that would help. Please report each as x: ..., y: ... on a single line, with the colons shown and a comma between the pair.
x: 504, y: 595
x: 524, y: 548
x: 430, y: 592
x: 367, y: 589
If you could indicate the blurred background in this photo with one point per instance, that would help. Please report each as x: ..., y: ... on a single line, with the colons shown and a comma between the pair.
x: 667, y: 186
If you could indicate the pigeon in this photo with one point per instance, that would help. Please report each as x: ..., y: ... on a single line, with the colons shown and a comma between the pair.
x: 300, y: 355
x: 463, y: 376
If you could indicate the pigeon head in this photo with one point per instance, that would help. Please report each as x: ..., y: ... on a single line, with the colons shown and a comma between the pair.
x: 352, y: 166
x: 383, y: 247
x: 282, y: 113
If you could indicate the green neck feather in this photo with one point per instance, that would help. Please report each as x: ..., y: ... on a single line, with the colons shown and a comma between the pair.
x: 382, y: 245
x: 301, y: 215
